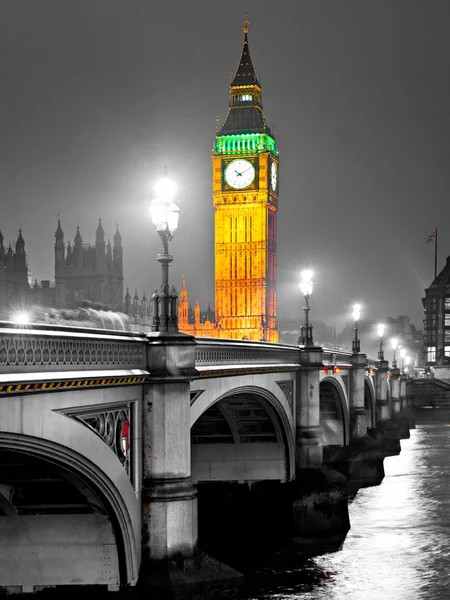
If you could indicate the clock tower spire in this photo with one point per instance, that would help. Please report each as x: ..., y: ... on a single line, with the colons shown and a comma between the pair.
x: 245, y: 199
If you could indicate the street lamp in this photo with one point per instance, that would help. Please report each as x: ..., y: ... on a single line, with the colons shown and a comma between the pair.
x: 306, y: 288
x: 380, y: 329
x: 356, y: 345
x: 394, y: 346
x: 165, y: 214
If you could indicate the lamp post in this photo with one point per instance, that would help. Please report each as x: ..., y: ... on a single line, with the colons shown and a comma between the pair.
x: 356, y: 345
x: 165, y: 214
x: 394, y: 346
x: 380, y: 330
x: 306, y: 288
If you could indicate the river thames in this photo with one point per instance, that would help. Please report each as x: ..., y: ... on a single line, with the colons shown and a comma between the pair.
x: 399, y: 543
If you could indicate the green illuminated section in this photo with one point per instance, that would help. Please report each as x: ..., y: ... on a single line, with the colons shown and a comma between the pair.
x: 245, y: 143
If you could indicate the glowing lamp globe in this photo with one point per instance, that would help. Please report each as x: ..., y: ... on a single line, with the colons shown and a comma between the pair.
x: 356, y: 311
x: 165, y: 189
x: 306, y: 284
x: 380, y: 329
x: 394, y: 344
x: 164, y: 215
x: 173, y: 214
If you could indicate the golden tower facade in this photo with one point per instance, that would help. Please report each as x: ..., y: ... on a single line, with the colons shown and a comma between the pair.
x: 245, y: 199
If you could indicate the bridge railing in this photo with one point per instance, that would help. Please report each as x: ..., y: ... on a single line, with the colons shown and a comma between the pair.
x: 216, y: 352
x: 37, y: 348
x: 212, y: 352
x: 344, y: 359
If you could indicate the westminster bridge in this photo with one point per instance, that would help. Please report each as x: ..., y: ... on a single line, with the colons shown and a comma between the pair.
x: 107, y: 437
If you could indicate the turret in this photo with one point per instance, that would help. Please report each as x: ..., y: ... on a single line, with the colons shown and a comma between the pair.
x: 100, y: 240
x: 135, y: 303
x: 197, y: 314
x: 128, y: 303
x: 78, y: 240
x: 117, y: 248
x: 144, y: 307
x: 78, y: 249
x: 183, y: 307
x: 20, y: 259
x: 59, y: 249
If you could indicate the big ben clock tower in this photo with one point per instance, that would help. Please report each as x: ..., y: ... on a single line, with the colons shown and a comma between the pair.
x: 245, y: 198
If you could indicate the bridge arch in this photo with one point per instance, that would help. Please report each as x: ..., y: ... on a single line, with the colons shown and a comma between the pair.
x: 369, y: 402
x: 247, y: 424
x: 91, y: 482
x: 334, y: 416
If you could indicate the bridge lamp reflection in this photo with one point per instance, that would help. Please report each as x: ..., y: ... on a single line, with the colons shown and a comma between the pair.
x: 21, y: 317
x: 394, y: 346
x: 306, y: 288
x: 380, y: 330
x: 356, y: 345
x: 165, y: 215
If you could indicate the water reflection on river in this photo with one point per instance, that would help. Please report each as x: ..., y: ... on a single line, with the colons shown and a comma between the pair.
x: 399, y: 543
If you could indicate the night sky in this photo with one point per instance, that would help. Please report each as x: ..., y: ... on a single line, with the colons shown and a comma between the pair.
x: 96, y: 96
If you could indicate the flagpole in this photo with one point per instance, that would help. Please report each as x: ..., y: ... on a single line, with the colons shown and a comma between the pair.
x: 435, y: 253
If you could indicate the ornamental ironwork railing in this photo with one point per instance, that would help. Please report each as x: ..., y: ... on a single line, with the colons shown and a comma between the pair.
x: 55, y: 348
x: 214, y: 352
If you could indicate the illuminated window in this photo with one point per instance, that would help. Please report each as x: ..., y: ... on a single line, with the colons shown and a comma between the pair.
x: 431, y: 354
x: 246, y: 97
x: 447, y: 350
x: 447, y: 304
x: 447, y: 320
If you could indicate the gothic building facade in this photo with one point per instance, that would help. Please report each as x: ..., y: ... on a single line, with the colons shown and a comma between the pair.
x: 14, y: 286
x: 92, y: 272
x: 83, y: 272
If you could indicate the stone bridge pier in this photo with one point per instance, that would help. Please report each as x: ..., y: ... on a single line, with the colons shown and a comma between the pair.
x: 170, y: 557
x: 387, y: 430
x: 363, y: 462
x: 319, y: 493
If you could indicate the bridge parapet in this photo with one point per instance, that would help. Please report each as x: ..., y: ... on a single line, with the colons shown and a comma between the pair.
x: 243, y: 353
x: 343, y: 359
x: 44, y: 348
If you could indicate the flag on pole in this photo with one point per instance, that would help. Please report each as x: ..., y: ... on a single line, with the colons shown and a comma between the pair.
x: 431, y: 238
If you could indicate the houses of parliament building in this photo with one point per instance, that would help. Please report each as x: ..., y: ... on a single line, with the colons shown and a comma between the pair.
x: 83, y: 272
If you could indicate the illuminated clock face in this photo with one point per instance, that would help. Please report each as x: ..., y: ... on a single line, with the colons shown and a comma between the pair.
x: 239, y: 173
x: 273, y: 176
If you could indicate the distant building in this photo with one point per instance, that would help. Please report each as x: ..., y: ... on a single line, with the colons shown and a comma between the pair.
x: 195, y: 322
x: 436, y: 322
x: 89, y: 272
x: 191, y: 321
x: 84, y: 273
x: 14, y: 286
